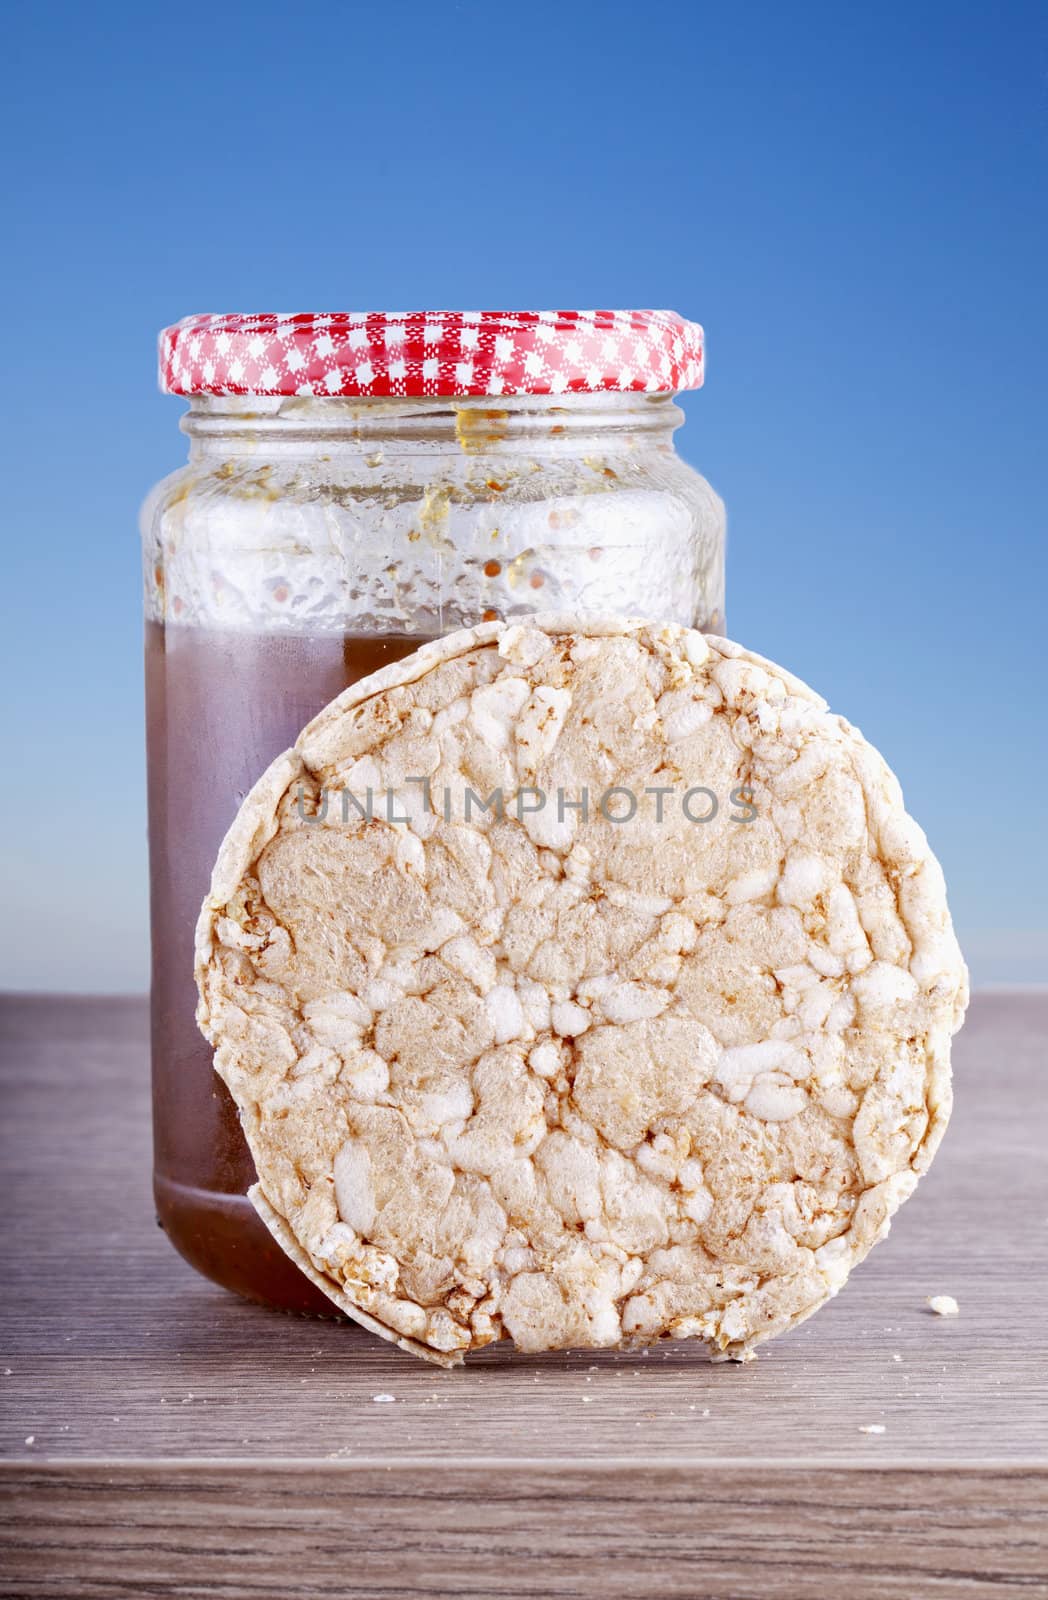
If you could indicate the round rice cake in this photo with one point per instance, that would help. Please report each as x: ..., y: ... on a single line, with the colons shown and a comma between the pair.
x: 656, y: 1057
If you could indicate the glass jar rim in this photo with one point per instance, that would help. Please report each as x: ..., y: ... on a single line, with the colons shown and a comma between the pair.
x: 472, y: 422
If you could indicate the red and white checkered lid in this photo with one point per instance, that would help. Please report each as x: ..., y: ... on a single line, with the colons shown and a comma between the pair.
x: 432, y: 353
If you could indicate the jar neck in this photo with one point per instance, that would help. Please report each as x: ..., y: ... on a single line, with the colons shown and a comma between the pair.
x: 512, y: 424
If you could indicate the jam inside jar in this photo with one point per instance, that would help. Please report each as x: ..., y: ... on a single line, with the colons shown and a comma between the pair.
x: 220, y: 705
x: 309, y: 540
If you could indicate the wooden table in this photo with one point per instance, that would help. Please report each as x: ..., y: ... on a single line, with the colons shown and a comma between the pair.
x: 161, y: 1438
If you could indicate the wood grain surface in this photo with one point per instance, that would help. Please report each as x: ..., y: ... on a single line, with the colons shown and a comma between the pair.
x: 161, y: 1438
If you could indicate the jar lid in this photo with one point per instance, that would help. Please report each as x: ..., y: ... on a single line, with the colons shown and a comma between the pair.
x: 388, y: 353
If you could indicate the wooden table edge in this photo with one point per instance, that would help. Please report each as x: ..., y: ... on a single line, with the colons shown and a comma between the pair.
x: 588, y: 1528
x: 1031, y: 1466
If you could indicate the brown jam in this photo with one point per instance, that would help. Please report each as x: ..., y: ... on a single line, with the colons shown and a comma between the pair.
x: 219, y: 706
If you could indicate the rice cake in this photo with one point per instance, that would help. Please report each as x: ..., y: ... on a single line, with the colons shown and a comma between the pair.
x: 581, y: 982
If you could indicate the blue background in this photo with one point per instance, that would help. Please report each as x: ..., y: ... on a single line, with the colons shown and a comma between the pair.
x: 850, y: 198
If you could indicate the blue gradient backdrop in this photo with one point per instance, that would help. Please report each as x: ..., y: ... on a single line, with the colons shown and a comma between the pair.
x: 851, y: 198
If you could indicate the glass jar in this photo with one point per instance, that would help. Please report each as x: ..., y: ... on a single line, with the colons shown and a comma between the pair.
x: 395, y: 493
